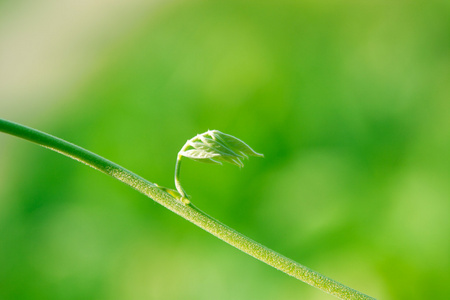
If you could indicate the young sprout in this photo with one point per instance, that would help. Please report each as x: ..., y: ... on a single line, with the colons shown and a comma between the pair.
x: 214, y: 147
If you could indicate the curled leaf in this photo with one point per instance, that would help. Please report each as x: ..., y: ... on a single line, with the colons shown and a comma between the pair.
x: 214, y: 147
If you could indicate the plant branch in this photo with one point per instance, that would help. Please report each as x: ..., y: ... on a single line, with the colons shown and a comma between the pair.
x: 187, y: 211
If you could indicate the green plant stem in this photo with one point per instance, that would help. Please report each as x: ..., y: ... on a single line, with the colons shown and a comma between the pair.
x: 177, y: 178
x: 189, y: 212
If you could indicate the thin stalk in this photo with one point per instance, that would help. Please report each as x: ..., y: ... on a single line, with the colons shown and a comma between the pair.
x: 177, y: 177
x: 187, y: 211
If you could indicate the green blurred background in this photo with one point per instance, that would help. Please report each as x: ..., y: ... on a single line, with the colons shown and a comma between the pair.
x: 349, y: 101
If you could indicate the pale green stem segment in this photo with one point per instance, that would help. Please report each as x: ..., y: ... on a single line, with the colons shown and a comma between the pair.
x: 184, y: 196
x: 189, y: 212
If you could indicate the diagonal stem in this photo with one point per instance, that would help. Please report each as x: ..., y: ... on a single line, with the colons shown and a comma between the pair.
x: 189, y: 212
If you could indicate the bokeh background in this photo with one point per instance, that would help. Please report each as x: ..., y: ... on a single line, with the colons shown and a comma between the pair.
x: 348, y: 100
